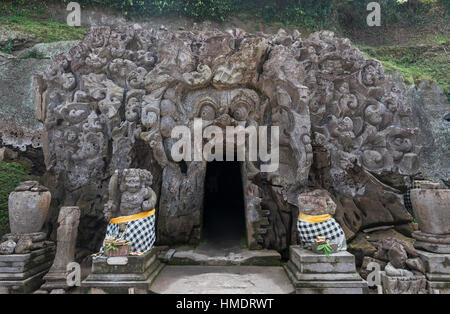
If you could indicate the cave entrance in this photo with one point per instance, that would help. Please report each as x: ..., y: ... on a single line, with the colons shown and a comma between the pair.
x: 223, y: 208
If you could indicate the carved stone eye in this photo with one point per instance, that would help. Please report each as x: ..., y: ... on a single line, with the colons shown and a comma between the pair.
x: 207, y: 113
x: 241, y: 113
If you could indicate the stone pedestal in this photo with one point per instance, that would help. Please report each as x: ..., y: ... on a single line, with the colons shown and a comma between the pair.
x: 436, y: 243
x: 313, y: 273
x: 117, y: 275
x: 414, y: 284
x: 437, y: 271
x: 23, y: 273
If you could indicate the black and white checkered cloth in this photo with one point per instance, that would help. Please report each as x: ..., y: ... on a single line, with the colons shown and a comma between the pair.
x: 407, y: 197
x: 329, y: 229
x: 140, y: 232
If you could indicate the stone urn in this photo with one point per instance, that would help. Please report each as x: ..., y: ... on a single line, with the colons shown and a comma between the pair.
x: 432, y: 210
x: 28, y: 207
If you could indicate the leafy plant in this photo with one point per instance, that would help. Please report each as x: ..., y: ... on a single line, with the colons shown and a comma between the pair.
x: 326, y: 248
x: 110, y: 247
x: 8, y: 47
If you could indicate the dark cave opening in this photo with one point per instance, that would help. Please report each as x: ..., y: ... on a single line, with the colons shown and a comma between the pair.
x: 223, y: 208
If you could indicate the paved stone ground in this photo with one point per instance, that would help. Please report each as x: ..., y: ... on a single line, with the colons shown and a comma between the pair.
x: 222, y: 280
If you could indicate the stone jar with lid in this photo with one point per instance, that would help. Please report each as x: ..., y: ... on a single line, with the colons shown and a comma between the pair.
x: 28, y: 207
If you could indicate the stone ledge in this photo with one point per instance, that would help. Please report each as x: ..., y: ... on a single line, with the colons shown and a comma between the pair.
x: 243, y: 258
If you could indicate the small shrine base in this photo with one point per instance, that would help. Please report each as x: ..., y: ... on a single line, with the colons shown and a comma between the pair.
x: 313, y: 273
x: 437, y: 268
x: 23, y: 273
x: 122, y: 275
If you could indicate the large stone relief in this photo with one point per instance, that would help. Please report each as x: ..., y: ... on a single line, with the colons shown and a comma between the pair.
x: 112, y: 102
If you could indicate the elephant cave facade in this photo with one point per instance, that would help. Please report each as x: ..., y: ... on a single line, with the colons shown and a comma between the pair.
x: 112, y: 102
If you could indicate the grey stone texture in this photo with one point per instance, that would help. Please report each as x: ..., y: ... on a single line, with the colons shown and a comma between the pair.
x: 68, y: 220
x: 18, y: 126
x: 437, y: 268
x: 23, y: 273
x: 139, y: 272
x: 313, y: 273
x: 28, y: 207
x: 222, y: 280
x: 111, y: 102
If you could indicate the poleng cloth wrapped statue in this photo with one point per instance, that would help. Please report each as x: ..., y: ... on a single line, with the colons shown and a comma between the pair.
x: 315, y: 219
x: 132, y: 207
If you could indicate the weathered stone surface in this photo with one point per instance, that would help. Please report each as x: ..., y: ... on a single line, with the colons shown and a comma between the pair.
x: 24, y: 245
x: 7, y: 247
x: 68, y: 220
x: 430, y: 105
x: 28, y: 207
x: 50, y: 50
x: 241, y: 257
x: 318, y: 273
x: 111, y: 102
x: 18, y: 127
x: 22, y: 273
x: 416, y: 264
x: 397, y: 255
x: 226, y: 280
x: 317, y: 202
x: 130, y: 193
x: 17, y: 40
x: 432, y: 210
x: 360, y: 247
x: 401, y: 281
x: 437, y: 267
x: 139, y: 273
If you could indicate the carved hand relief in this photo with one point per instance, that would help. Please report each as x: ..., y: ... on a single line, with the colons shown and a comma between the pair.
x: 113, y: 101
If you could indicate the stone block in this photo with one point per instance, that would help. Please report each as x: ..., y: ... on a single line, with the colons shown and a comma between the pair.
x: 403, y: 285
x: 23, y: 273
x: 137, y: 274
x: 437, y: 268
x: 313, y: 273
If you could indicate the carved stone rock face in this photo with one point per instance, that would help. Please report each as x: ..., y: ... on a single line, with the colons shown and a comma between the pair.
x: 130, y: 193
x: 317, y: 202
x: 112, y: 102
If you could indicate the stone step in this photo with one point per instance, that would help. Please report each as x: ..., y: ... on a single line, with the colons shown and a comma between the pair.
x: 190, y: 279
x: 241, y: 257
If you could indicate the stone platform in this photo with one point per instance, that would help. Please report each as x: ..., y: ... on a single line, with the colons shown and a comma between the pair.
x: 189, y: 279
x: 116, y: 275
x: 313, y: 273
x: 231, y: 257
x: 437, y: 268
x: 23, y: 273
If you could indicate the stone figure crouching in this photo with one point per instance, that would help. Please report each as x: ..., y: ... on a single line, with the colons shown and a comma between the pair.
x: 130, y: 209
x: 315, y: 220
